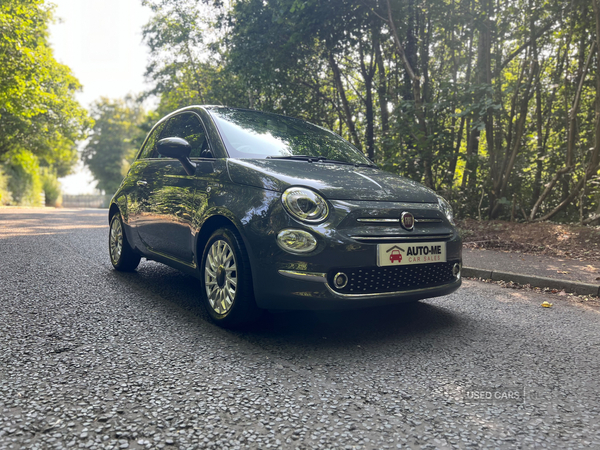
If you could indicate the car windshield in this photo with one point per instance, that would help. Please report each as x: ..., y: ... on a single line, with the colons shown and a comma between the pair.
x: 257, y: 135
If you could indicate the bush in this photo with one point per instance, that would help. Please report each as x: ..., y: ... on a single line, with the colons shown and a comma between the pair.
x: 5, y: 197
x: 51, y: 187
x: 24, y: 182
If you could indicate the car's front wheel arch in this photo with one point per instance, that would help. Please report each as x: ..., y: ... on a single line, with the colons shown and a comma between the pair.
x: 114, y: 209
x: 209, y: 226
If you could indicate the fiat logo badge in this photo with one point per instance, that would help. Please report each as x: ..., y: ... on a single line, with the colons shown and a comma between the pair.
x: 407, y: 220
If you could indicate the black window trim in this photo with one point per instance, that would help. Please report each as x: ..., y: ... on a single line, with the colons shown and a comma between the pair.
x: 141, y: 150
x: 165, y: 121
x: 210, y: 146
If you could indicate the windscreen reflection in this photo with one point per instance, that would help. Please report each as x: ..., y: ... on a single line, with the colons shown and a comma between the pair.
x: 256, y: 135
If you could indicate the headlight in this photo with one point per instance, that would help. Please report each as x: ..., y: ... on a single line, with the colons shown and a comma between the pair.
x: 446, y: 209
x: 296, y: 241
x: 305, y: 205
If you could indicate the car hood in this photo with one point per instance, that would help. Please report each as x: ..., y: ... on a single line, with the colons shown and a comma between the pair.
x: 334, y: 181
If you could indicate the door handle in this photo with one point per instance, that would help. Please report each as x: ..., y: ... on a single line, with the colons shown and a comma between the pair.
x: 142, y: 183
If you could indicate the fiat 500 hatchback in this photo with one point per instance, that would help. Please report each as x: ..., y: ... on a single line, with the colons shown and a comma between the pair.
x: 271, y: 212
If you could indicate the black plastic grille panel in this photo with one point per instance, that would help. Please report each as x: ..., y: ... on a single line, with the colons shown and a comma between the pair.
x: 369, y: 280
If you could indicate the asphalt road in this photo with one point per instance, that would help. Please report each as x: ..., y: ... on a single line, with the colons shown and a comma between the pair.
x: 91, y: 358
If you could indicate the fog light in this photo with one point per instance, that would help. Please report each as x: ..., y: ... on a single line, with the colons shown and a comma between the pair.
x: 340, y: 280
x: 456, y: 270
x: 296, y: 241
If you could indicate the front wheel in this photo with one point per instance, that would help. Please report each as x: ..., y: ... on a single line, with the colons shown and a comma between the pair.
x: 122, y: 256
x: 227, y: 281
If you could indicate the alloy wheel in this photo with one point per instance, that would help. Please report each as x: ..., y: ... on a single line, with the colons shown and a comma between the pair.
x: 116, y: 240
x: 220, y: 276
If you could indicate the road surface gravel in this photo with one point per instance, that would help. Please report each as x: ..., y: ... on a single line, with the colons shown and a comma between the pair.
x: 92, y: 358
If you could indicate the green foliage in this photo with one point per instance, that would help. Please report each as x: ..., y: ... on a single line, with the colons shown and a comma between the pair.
x: 24, y: 183
x: 51, y: 187
x: 471, y: 97
x: 179, y: 45
x: 38, y: 110
x: 5, y: 196
x: 114, y: 141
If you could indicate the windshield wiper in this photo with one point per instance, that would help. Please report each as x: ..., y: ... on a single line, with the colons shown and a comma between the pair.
x: 300, y: 158
x: 322, y: 159
x: 348, y: 163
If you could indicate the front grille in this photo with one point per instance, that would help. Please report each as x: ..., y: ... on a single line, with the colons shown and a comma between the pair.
x: 369, y: 280
x: 379, y: 239
x: 388, y: 220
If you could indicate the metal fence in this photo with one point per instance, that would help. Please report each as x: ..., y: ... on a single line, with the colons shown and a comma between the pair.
x: 85, y: 201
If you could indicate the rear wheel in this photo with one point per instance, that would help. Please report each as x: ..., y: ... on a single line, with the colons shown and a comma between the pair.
x: 122, y: 256
x: 227, y: 294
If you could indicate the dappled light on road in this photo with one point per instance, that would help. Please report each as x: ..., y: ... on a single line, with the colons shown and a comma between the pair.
x: 18, y: 222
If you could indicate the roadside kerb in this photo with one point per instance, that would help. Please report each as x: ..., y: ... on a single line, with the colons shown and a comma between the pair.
x: 532, y: 280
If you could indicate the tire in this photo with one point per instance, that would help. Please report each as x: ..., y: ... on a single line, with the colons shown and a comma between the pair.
x: 227, y: 291
x: 122, y: 256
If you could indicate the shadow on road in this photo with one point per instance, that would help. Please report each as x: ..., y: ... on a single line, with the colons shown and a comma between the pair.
x: 366, y: 325
x: 299, y: 328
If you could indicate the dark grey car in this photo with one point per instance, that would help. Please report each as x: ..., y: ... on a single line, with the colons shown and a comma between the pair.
x: 271, y: 212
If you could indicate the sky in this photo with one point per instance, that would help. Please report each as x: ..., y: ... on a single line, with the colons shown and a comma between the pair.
x: 101, y: 41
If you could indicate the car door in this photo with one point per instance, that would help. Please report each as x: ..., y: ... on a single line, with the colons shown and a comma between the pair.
x: 174, y: 197
x: 138, y: 195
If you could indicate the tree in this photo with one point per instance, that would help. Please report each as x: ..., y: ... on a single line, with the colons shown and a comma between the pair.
x: 185, y: 63
x: 38, y: 110
x: 589, y: 162
x: 114, y: 141
x: 494, y: 104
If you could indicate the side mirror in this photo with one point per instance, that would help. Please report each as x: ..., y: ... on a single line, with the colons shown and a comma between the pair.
x: 177, y: 148
x: 174, y: 147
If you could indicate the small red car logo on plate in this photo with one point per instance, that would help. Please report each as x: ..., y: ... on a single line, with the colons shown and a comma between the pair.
x: 395, y: 256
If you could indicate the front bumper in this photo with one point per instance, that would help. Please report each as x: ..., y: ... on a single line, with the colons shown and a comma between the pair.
x: 296, y: 289
x: 285, y: 281
x: 348, y: 242
x: 409, y: 293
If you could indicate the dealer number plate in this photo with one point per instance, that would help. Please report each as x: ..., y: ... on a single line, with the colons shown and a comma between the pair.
x: 410, y: 254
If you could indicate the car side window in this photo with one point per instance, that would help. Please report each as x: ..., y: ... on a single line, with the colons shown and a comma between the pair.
x: 150, y: 144
x: 188, y: 127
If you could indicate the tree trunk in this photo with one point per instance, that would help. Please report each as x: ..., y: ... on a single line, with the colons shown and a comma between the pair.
x: 368, y: 73
x: 454, y: 160
x: 382, y: 92
x: 483, y: 78
x: 463, y: 121
x: 337, y: 78
x: 540, y: 150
